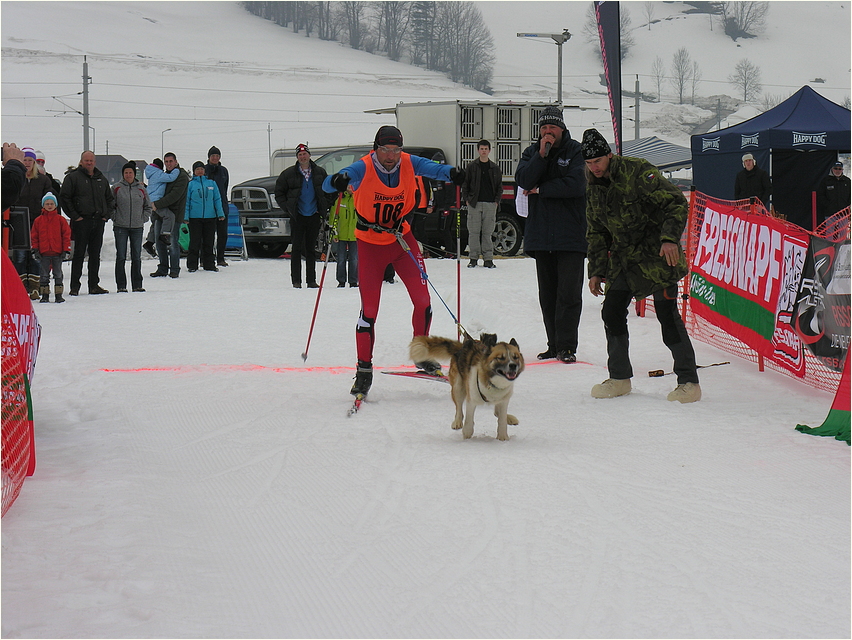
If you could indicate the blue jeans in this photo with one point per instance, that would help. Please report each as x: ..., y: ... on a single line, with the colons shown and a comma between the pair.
x: 122, y: 236
x: 169, y: 256
x: 347, y: 255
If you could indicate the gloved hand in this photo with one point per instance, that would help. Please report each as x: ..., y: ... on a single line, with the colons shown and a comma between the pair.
x: 340, y: 181
x: 457, y: 176
x: 66, y: 255
x: 36, y: 254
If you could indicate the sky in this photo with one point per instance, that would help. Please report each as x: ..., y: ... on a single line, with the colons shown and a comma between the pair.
x: 196, y: 478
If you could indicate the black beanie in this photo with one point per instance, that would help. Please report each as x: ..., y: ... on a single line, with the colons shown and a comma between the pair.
x: 129, y: 165
x: 214, y: 150
x: 594, y: 145
x: 197, y: 164
x: 387, y: 135
x: 552, y: 115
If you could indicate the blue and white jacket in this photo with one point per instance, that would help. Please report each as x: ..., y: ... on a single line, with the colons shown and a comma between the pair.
x: 203, y: 199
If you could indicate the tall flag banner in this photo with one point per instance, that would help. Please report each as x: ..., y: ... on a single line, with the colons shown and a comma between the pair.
x: 838, y: 423
x: 745, y: 273
x: 609, y: 30
x: 823, y: 301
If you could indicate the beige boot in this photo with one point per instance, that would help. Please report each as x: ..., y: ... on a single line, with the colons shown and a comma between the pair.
x: 685, y: 393
x: 57, y: 290
x: 45, y: 294
x: 610, y: 388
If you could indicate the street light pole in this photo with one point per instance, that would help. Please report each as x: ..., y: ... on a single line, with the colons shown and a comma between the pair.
x: 559, y: 39
x: 162, y: 143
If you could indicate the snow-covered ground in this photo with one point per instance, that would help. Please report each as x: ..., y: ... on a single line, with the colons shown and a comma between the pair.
x: 196, y: 478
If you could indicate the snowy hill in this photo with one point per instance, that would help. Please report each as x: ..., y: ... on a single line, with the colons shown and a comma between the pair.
x: 214, y: 74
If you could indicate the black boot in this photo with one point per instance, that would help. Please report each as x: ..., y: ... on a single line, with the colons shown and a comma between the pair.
x: 57, y: 290
x: 45, y: 294
x: 363, y: 379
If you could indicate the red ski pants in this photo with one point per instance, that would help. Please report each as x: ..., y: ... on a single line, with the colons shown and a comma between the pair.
x: 372, y: 261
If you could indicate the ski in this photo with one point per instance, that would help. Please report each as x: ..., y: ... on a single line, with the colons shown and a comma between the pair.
x: 419, y: 374
x: 356, y: 404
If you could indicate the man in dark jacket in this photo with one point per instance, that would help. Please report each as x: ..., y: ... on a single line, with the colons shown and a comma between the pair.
x: 219, y: 174
x: 87, y: 200
x: 299, y: 192
x: 833, y: 193
x: 752, y: 181
x: 551, y: 173
x: 482, y: 190
x: 174, y: 199
x: 636, y: 219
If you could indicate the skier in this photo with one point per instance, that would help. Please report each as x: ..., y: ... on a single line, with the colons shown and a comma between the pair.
x: 383, y: 186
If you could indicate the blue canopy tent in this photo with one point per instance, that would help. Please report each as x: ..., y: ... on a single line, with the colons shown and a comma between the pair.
x: 795, y: 142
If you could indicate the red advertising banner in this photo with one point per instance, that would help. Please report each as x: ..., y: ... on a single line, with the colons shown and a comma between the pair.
x: 745, y: 275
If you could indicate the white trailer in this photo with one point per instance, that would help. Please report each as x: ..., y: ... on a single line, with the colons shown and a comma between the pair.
x: 457, y: 125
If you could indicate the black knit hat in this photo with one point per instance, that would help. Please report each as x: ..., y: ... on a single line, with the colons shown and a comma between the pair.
x: 197, y: 164
x: 128, y: 165
x: 594, y: 145
x: 302, y: 147
x: 214, y: 150
x: 387, y: 135
x: 551, y: 115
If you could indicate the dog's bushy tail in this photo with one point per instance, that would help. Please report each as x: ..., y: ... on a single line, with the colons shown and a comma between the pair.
x: 433, y: 348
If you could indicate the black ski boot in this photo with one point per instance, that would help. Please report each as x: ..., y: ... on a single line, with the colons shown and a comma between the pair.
x: 429, y: 366
x: 363, y: 379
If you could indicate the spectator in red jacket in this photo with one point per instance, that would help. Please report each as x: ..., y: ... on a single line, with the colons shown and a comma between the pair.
x: 51, y: 241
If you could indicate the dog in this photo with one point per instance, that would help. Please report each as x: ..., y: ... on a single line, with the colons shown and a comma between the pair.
x: 481, y: 372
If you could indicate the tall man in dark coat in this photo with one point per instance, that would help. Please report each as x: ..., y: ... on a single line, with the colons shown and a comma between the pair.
x: 219, y: 174
x: 299, y: 192
x: 87, y: 200
x: 551, y: 173
x: 174, y: 199
x: 752, y: 181
x: 833, y: 193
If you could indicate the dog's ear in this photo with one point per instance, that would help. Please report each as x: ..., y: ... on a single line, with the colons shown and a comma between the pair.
x: 513, y: 342
x: 489, y: 339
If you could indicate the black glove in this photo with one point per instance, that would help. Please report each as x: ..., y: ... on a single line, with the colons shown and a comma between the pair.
x: 340, y: 181
x: 66, y: 255
x: 457, y: 176
x: 36, y: 254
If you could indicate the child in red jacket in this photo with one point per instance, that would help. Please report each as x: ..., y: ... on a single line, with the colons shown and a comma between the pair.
x: 51, y: 241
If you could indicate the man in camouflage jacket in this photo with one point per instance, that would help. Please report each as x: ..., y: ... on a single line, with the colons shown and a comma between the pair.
x: 635, y: 222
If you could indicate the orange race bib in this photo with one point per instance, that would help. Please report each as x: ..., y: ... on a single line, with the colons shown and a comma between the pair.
x: 382, y: 205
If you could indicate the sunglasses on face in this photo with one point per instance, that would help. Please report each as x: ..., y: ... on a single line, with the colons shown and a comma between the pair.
x: 395, y: 151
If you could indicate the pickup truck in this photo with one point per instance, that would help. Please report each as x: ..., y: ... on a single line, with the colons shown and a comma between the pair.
x: 267, y: 228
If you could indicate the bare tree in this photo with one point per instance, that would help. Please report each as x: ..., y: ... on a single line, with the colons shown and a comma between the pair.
x: 590, y: 30
x: 694, y: 79
x: 746, y: 77
x: 648, y: 10
x: 658, y: 73
x: 423, y: 42
x: 394, y: 18
x: 681, y: 72
x: 328, y: 23
x: 772, y: 100
x: 354, y: 14
x: 743, y: 19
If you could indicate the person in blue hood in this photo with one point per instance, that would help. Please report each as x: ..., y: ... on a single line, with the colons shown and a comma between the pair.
x: 203, y: 209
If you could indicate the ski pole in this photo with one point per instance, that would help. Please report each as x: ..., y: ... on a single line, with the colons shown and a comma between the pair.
x: 659, y: 373
x: 322, y: 280
x: 458, y: 267
x: 425, y: 276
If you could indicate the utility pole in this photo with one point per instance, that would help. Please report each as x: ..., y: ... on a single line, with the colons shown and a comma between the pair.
x: 559, y: 39
x: 269, y: 143
x: 636, y: 115
x: 86, y: 81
